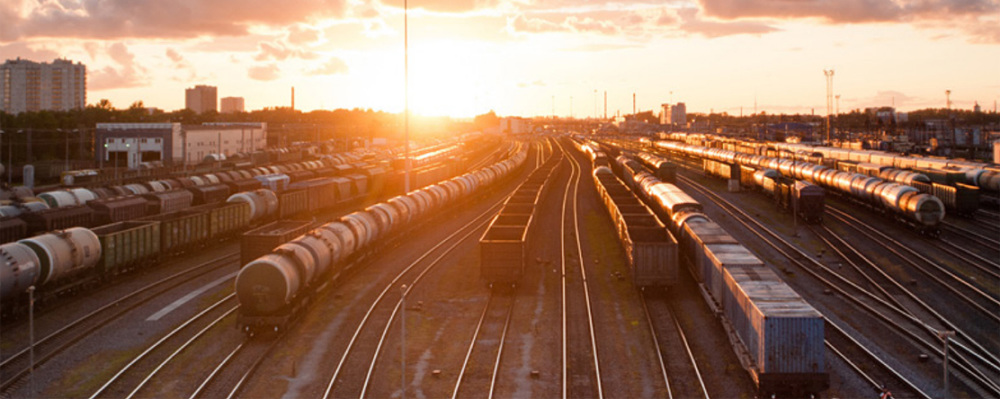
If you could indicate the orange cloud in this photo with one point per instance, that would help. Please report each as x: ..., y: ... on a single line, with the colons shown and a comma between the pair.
x: 111, y: 19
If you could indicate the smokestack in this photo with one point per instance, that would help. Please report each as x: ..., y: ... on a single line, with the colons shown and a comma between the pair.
x: 293, y: 98
x: 633, y: 103
x: 606, y: 105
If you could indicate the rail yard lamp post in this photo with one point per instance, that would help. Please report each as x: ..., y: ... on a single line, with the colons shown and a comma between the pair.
x: 945, y: 337
x: 402, y: 340
x: 406, y: 94
x: 31, y: 336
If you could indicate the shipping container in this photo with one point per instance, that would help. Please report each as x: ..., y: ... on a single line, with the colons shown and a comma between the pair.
x: 717, y: 257
x: 780, y: 330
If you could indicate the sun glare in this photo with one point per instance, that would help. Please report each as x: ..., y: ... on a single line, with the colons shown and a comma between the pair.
x: 447, y: 79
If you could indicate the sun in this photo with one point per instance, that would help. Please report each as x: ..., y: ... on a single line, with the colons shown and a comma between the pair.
x: 449, y: 78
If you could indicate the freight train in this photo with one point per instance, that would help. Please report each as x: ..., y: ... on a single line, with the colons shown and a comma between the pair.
x: 302, y: 182
x: 905, y: 203
x: 145, y: 228
x: 778, y: 336
x: 274, y: 288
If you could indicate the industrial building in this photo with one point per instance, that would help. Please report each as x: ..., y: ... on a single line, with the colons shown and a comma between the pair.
x: 201, y: 98
x: 673, y: 114
x: 231, y: 105
x: 515, y: 126
x: 28, y: 86
x: 130, y: 144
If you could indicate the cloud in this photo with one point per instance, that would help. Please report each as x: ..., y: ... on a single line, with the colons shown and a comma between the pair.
x: 333, y: 66
x: 280, y: 51
x: 113, y: 19
x: 23, y: 50
x: 450, y: 6
x: 976, y: 18
x: 303, y: 34
x: 264, y: 72
x: 522, y: 23
x: 691, y: 22
x: 537, y: 83
x: 127, y: 73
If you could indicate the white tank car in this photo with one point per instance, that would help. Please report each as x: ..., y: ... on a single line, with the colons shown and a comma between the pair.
x: 348, y: 242
x: 269, y: 283
x: 319, y: 248
x: 364, y: 227
x: 63, y: 254
x: 83, y: 195
x: 387, y: 217
x: 406, y: 206
x: 58, y: 198
x: 263, y: 202
x: 18, y: 269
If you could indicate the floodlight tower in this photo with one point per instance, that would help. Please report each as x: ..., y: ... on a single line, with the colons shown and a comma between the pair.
x: 829, y: 100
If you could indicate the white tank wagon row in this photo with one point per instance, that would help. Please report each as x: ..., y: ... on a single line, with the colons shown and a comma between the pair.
x: 983, y: 175
x: 275, y: 287
x: 781, y: 334
x: 923, y: 211
x: 980, y: 174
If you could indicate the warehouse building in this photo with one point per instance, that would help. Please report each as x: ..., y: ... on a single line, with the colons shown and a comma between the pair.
x: 131, y: 144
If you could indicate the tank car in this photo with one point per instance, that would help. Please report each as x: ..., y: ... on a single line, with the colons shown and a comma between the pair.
x: 64, y: 254
x: 18, y: 271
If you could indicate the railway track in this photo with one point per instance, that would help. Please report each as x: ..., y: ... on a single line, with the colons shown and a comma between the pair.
x: 959, y: 285
x: 481, y: 366
x: 16, y: 366
x: 687, y: 379
x: 581, y: 370
x: 367, y: 342
x: 870, y: 303
x: 868, y: 365
x: 124, y: 379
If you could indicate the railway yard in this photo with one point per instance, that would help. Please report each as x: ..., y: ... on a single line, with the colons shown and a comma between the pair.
x: 553, y: 266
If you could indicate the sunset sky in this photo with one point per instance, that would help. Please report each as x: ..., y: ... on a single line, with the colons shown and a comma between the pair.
x: 513, y: 56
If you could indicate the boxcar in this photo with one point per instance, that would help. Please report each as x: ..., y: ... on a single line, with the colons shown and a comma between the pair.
x: 118, y: 209
x: 168, y: 202
x: 961, y: 198
x: 58, y: 218
x: 293, y: 203
x: 210, y: 194
x: 809, y: 200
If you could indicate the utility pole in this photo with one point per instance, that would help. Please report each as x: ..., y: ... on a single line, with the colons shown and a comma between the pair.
x: 946, y: 336
x: 402, y: 339
x: 571, y: 106
x: 829, y: 100
x: 606, y: 105
x: 406, y: 93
